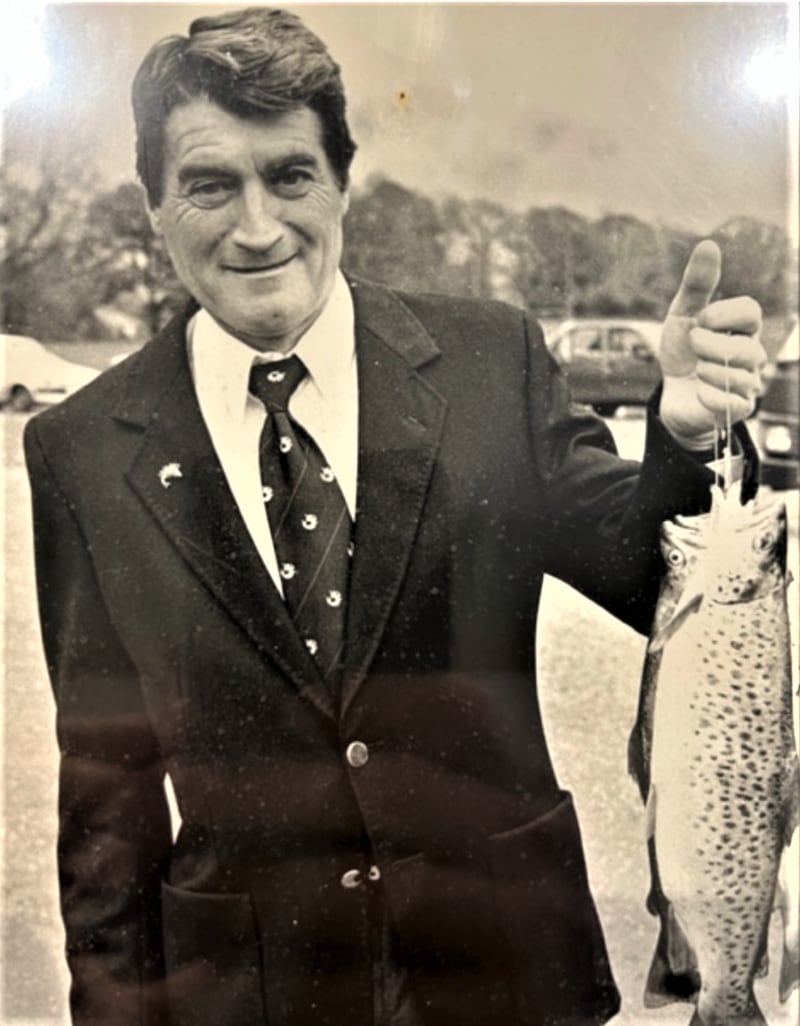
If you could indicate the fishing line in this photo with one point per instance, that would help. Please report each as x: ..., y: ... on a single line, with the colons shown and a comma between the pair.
x: 728, y: 468
x: 717, y: 457
x: 723, y: 456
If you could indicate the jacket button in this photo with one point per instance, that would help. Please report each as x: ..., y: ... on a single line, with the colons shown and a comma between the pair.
x: 374, y: 873
x: 351, y: 879
x: 357, y: 754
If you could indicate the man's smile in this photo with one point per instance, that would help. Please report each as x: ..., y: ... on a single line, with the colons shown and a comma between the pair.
x: 265, y: 268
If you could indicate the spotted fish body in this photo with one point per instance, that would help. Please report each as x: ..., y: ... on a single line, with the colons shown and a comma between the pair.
x: 714, y: 754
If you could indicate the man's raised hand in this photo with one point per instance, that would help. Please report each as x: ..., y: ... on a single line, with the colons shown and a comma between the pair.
x: 711, y: 354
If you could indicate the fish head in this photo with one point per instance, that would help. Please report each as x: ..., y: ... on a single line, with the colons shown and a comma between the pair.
x: 747, y: 553
x: 733, y: 554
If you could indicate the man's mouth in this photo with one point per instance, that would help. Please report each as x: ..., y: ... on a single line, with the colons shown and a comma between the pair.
x: 270, y: 267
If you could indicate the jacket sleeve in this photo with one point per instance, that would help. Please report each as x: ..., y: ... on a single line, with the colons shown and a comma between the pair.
x: 114, y: 830
x: 602, y: 513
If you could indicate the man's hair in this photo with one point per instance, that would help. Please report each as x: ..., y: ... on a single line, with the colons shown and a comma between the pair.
x: 252, y: 63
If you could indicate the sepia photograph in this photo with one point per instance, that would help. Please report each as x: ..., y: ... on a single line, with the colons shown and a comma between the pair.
x: 399, y: 423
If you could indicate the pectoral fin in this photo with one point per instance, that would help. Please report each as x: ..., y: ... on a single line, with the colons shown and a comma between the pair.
x: 690, y: 602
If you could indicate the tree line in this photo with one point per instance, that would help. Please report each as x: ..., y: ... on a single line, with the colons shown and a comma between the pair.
x: 79, y: 262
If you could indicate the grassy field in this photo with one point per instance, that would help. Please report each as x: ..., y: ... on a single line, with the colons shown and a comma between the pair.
x: 590, y: 668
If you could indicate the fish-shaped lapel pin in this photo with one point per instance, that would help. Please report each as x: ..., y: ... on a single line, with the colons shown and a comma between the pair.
x: 169, y: 473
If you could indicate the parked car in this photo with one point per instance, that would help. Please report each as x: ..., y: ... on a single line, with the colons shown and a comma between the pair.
x: 777, y: 419
x: 608, y: 363
x: 32, y: 375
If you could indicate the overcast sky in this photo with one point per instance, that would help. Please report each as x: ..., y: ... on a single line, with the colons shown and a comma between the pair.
x: 634, y: 108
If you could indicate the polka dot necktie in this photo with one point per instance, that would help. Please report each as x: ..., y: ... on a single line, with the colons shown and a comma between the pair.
x: 307, y: 516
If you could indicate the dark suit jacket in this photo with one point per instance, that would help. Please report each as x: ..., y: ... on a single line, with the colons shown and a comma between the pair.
x: 169, y: 650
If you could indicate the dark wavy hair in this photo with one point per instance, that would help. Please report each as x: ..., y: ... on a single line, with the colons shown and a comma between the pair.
x: 251, y: 62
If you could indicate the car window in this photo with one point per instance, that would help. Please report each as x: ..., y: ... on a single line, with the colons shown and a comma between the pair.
x: 629, y: 342
x: 586, y: 342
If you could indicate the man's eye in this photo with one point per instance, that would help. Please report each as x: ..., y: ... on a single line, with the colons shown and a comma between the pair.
x: 210, y: 192
x: 293, y: 182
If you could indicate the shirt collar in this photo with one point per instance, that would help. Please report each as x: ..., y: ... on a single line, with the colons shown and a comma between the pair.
x: 328, y: 347
x: 221, y: 363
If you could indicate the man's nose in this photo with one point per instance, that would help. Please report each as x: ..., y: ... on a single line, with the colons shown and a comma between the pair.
x: 258, y: 224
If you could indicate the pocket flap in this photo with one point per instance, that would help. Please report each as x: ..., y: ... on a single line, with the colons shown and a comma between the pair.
x: 196, y: 923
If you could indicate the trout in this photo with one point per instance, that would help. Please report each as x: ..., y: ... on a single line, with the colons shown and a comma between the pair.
x: 713, y: 752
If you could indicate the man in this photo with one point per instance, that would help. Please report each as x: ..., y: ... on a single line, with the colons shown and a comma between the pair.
x: 371, y: 831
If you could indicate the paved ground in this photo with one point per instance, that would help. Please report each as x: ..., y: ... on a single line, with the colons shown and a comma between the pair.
x: 590, y: 672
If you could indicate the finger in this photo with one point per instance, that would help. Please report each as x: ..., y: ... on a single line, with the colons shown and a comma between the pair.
x: 735, y: 380
x: 723, y: 406
x: 740, y: 314
x: 700, y: 279
x: 737, y: 350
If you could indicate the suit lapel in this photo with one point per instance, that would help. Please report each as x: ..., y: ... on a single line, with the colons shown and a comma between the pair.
x: 400, y: 424
x: 179, y: 479
x: 177, y: 476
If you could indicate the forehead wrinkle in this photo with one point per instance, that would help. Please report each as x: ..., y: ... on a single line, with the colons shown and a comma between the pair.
x: 204, y: 136
x: 212, y: 152
x: 198, y: 137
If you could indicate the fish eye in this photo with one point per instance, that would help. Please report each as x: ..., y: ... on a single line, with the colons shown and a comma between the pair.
x: 675, y: 558
x: 763, y: 542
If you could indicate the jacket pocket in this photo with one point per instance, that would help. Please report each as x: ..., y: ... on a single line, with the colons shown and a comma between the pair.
x: 443, y: 919
x: 556, y: 948
x: 212, y: 959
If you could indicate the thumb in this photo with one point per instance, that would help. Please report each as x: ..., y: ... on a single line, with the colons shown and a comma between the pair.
x: 700, y: 279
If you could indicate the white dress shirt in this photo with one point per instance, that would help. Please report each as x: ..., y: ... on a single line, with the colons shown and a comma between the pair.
x: 325, y: 404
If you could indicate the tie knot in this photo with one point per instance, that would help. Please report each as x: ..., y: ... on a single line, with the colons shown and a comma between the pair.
x: 273, y: 383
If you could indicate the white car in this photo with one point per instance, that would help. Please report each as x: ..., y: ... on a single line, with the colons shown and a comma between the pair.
x: 32, y: 375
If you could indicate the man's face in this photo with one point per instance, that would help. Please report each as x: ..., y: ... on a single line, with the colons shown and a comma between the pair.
x: 251, y: 216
